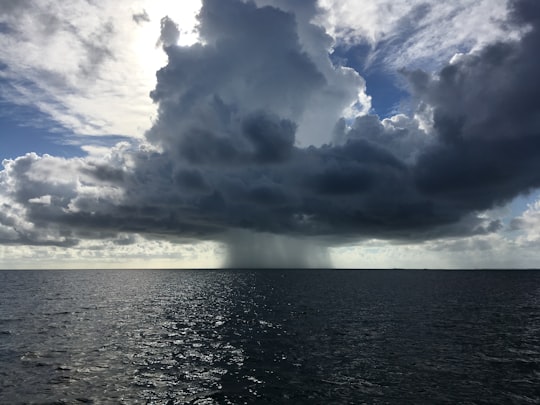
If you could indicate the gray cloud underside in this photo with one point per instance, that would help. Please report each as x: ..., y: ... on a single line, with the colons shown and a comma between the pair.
x: 223, y: 154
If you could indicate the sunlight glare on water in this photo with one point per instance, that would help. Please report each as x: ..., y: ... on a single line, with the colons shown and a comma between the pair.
x: 310, y: 336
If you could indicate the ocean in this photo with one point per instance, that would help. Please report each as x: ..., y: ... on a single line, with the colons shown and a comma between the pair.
x: 269, y: 337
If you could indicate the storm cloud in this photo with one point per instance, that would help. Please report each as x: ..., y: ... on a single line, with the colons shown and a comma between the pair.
x: 230, y: 149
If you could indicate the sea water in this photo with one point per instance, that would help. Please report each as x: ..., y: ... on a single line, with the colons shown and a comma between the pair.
x: 269, y: 337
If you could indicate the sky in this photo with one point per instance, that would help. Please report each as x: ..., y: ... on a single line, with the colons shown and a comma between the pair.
x: 269, y: 133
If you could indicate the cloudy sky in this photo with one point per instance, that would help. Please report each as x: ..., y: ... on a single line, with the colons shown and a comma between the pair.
x: 352, y: 133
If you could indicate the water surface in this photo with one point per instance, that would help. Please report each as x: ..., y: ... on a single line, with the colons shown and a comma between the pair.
x: 269, y: 337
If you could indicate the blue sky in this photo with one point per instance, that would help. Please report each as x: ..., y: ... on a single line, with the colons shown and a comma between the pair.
x: 385, y: 86
x: 26, y: 129
x: 329, y: 136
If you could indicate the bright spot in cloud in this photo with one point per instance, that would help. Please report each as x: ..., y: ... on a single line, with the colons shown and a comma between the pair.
x: 149, y: 54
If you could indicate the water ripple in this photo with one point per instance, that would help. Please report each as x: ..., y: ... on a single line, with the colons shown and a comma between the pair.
x: 225, y: 337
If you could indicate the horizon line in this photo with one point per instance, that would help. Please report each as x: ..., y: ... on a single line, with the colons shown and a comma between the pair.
x: 274, y: 269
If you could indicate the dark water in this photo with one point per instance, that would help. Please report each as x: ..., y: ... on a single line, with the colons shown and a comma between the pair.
x: 235, y: 337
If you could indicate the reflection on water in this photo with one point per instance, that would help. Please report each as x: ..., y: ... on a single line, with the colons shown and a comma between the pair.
x: 218, y: 337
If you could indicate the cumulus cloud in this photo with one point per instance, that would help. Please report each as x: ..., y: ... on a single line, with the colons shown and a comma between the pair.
x: 224, y: 156
x: 486, y: 118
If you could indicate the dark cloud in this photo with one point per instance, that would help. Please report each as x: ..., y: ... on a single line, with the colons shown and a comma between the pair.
x: 169, y: 32
x: 104, y: 173
x: 485, y: 112
x: 272, y: 139
x: 224, y: 153
x: 141, y: 17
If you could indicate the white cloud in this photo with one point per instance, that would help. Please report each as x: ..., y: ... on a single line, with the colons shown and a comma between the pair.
x: 89, y: 66
x: 528, y: 225
x: 139, y: 253
x: 417, y: 32
x: 483, y: 251
x: 44, y: 199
